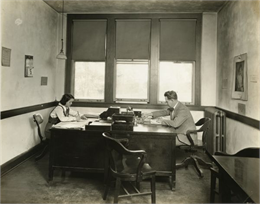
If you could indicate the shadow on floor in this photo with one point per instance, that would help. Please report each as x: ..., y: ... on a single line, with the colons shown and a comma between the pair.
x: 28, y: 183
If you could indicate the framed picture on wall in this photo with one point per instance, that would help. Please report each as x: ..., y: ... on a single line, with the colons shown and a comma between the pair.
x: 28, y: 66
x: 239, y: 88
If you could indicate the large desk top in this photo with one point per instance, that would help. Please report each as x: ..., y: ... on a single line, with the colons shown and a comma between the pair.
x: 244, y: 171
x: 139, y: 128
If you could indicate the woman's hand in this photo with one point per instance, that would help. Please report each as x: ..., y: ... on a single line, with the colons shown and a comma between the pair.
x: 78, y: 118
x: 84, y: 117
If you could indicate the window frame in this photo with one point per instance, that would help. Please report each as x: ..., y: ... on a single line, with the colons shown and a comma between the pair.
x: 154, y: 57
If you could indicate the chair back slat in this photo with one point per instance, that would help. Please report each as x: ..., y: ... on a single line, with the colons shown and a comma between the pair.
x: 38, y: 119
x: 204, y: 123
x: 117, y: 155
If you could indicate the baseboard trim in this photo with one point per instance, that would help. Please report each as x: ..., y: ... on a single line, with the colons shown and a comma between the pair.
x: 11, y: 164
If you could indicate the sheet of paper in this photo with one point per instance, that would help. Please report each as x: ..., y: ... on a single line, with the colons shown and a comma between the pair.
x: 99, y: 123
x: 91, y: 115
x: 72, y: 125
x: 149, y: 121
x: 155, y: 122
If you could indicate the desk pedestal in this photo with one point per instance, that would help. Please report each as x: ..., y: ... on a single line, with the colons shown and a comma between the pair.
x: 86, y: 151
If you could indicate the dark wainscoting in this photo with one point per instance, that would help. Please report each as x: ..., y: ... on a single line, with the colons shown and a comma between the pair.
x: 20, y: 111
x: 241, y: 118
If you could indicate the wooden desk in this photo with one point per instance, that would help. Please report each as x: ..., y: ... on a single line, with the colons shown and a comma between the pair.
x: 85, y: 149
x: 241, y: 175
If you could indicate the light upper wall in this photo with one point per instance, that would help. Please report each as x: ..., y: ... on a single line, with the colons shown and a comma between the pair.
x: 208, y: 59
x: 28, y: 28
x: 239, y: 33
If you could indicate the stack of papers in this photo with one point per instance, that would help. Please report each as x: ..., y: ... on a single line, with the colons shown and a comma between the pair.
x: 148, y: 121
x: 72, y: 125
x: 155, y: 122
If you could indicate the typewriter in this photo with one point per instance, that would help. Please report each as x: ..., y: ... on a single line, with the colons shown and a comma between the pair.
x: 123, y: 121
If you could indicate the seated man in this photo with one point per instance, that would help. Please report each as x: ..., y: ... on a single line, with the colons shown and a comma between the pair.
x: 180, y: 118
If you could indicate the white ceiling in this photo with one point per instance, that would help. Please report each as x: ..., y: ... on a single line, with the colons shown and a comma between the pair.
x: 136, y: 6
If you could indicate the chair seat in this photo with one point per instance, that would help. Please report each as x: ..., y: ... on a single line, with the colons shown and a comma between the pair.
x: 126, y: 168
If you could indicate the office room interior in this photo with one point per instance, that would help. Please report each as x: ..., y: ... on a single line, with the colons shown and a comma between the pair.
x: 220, y: 34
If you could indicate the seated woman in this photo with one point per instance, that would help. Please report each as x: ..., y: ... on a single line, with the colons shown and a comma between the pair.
x: 63, y: 113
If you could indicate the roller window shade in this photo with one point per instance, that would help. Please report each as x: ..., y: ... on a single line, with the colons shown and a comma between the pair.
x: 133, y: 39
x: 89, y: 38
x: 178, y: 39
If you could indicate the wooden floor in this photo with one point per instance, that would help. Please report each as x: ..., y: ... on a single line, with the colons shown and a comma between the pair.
x: 28, y: 183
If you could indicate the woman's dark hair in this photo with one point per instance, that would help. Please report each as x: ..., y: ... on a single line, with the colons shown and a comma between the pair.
x: 65, y: 98
x: 171, y: 95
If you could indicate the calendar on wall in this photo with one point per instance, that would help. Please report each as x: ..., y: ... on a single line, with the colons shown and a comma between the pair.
x: 28, y: 66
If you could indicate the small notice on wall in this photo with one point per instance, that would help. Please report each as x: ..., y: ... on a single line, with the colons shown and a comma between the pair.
x: 28, y: 67
x: 253, y: 78
x: 44, y: 81
x: 6, y: 57
x: 241, y: 108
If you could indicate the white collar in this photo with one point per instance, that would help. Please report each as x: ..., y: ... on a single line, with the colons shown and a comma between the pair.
x: 176, y: 105
x: 64, y: 107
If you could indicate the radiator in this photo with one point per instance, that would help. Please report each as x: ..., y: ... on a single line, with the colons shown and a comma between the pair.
x: 216, y: 136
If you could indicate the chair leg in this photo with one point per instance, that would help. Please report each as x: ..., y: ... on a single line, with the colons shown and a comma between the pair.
x: 44, y: 151
x: 108, y: 182
x: 212, y: 187
x: 197, y: 167
x: 63, y: 173
x: 117, y: 189
x: 153, y: 196
x: 202, y: 162
x: 184, y: 163
x: 137, y: 184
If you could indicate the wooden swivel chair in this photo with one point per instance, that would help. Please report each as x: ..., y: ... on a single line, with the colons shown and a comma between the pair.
x: 38, y: 119
x: 194, y: 159
x: 127, y: 166
x: 247, y: 152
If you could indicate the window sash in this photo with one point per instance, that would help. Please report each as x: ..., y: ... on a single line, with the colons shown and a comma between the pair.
x: 90, y: 86
x: 123, y: 99
x: 177, y: 87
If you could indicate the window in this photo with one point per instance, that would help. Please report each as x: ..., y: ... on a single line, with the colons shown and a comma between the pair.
x: 177, y: 58
x: 177, y: 76
x: 89, y: 57
x: 89, y: 81
x: 133, y: 59
x: 132, y: 80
